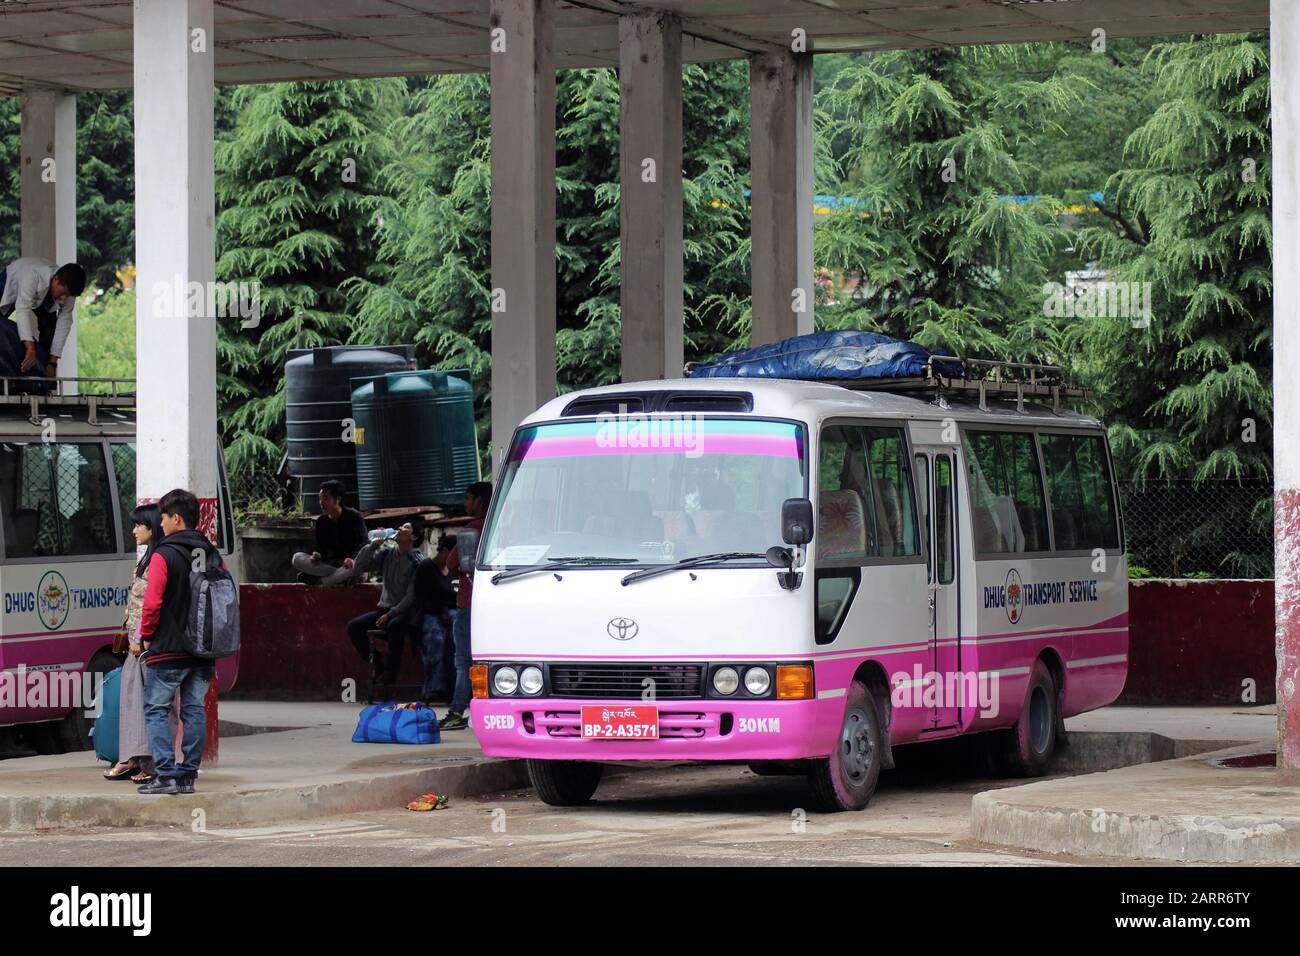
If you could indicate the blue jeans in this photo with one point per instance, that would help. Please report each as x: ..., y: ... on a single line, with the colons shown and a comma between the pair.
x: 460, y: 634
x: 432, y: 646
x: 160, y: 687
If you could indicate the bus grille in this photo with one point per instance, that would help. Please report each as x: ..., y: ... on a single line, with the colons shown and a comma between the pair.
x: 627, y: 681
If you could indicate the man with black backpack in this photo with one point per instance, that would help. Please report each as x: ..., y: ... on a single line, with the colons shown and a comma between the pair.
x: 189, y: 618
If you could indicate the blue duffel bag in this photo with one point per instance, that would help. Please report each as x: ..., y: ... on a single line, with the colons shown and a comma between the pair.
x: 397, y: 724
x: 104, y: 732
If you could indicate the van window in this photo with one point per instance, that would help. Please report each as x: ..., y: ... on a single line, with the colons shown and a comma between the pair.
x: 1008, y: 514
x: 865, y: 505
x: 55, y: 500
x: 1078, y: 481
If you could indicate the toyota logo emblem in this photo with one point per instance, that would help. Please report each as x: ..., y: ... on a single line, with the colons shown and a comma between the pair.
x: 622, y: 628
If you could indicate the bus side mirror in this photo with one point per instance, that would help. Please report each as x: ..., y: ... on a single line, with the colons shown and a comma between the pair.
x: 467, y: 547
x: 797, y: 521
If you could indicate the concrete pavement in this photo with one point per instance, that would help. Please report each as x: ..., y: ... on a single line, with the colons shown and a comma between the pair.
x: 279, y: 761
x: 283, y: 762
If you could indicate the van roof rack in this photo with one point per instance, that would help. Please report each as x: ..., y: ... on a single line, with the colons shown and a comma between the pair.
x: 980, y: 377
x: 91, y: 394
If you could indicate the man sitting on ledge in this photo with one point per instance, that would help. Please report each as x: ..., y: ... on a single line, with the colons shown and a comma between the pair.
x: 340, y: 534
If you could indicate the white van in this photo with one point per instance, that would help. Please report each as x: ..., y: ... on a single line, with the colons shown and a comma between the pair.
x: 797, y: 576
x: 67, y: 490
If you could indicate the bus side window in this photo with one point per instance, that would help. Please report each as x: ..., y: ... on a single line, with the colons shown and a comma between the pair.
x: 1078, y: 479
x: 1008, y: 513
x: 123, y: 454
x: 58, y: 504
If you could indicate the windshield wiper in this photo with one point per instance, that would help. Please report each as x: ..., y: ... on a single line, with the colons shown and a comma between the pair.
x: 555, y: 565
x: 690, y: 563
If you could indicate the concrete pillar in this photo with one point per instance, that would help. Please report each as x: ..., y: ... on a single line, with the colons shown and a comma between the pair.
x: 650, y: 173
x: 48, y: 182
x: 522, y: 67
x: 38, y: 175
x: 175, y: 247
x: 1284, y: 38
x: 65, y: 211
x: 781, y: 173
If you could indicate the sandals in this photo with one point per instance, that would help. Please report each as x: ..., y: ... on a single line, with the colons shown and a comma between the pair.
x: 112, y: 773
x: 144, y: 776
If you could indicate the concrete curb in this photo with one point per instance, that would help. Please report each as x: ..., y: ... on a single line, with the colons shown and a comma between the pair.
x: 471, y: 776
x: 1101, y: 814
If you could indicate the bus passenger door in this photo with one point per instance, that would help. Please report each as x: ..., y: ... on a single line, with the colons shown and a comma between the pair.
x: 939, y: 502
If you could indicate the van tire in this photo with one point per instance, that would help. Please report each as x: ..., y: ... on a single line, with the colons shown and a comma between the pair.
x: 74, y: 729
x: 564, y: 783
x: 1027, y: 748
x: 846, y: 780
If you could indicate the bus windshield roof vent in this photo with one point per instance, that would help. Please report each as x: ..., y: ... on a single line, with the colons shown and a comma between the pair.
x: 660, y: 402
x: 616, y: 404
x: 709, y: 402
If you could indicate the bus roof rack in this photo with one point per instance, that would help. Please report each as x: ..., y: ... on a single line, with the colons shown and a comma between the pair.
x: 91, y: 394
x: 945, y: 374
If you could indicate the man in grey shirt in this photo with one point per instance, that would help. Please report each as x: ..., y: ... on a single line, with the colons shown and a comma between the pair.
x: 396, y: 563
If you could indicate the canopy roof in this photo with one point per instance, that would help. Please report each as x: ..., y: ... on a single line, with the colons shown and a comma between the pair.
x: 87, y: 44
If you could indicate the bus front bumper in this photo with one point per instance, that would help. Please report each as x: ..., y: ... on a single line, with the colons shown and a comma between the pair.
x: 735, y: 730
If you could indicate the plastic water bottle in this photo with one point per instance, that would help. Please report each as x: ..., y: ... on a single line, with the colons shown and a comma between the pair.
x: 382, y: 534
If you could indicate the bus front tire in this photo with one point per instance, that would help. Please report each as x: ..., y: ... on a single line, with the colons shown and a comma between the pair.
x: 1026, y: 749
x: 846, y: 780
x: 74, y: 729
x: 564, y: 783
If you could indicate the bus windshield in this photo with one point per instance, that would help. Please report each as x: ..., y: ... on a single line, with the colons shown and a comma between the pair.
x: 644, y: 489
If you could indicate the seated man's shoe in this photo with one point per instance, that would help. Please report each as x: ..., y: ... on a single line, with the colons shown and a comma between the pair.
x: 160, y: 785
x: 184, y: 784
x: 453, y: 721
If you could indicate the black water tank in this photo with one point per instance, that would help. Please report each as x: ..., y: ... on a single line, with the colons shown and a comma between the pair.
x: 318, y: 399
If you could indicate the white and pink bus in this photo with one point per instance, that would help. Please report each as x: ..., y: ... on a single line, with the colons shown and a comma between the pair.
x: 67, y: 490
x: 797, y: 576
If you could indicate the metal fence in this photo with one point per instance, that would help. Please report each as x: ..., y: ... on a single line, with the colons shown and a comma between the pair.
x: 1215, y: 529
x: 255, y: 494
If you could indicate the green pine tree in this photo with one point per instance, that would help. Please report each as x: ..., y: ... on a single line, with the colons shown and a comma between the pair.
x: 936, y: 143
x: 295, y: 177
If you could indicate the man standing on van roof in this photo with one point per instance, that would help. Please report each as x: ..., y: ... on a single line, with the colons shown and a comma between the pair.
x: 42, y: 299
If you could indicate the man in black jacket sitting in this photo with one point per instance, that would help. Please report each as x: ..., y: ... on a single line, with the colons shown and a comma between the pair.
x: 340, y: 534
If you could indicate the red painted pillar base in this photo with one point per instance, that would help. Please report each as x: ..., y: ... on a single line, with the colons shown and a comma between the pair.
x: 1286, y: 525
x: 211, y: 740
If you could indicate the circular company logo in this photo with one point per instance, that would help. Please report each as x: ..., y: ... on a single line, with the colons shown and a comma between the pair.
x: 1015, y: 596
x: 52, y: 600
x: 622, y: 628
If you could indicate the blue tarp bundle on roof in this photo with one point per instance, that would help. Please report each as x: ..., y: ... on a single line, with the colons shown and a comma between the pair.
x: 823, y: 356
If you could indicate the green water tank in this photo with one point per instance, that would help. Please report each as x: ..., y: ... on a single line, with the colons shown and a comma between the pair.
x: 415, y: 438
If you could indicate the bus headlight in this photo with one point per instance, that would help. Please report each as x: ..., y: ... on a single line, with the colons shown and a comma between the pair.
x: 758, y: 681
x: 530, y: 681
x: 506, y: 681
x: 726, y: 680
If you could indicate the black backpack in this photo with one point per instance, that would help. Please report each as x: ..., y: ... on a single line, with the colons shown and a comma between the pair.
x: 212, y: 621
